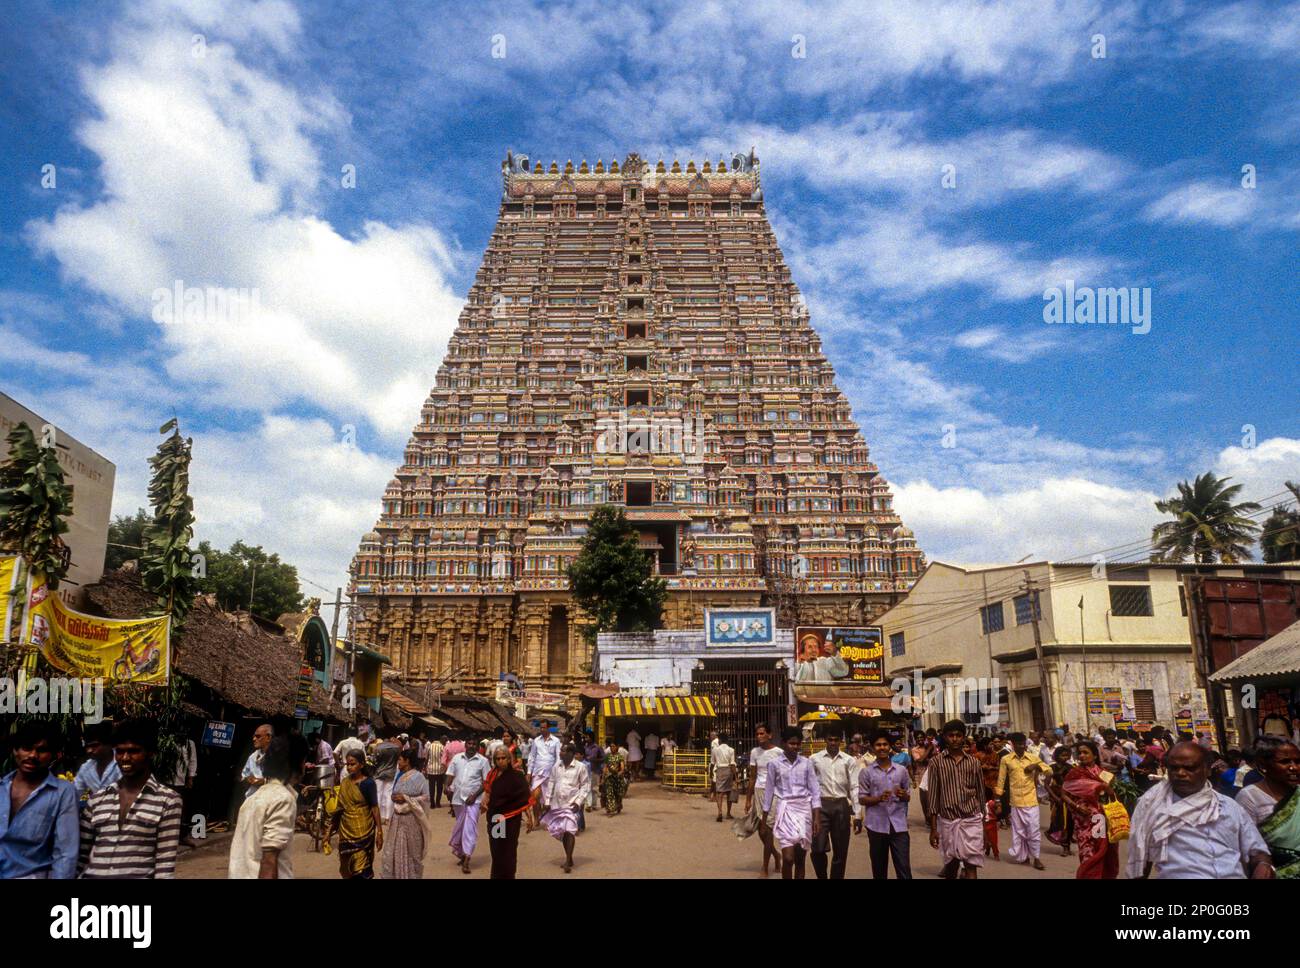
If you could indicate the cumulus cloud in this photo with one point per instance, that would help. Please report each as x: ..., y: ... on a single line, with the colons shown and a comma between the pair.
x: 1074, y: 517
x: 211, y: 178
x: 310, y: 497
x: 1060, y: 518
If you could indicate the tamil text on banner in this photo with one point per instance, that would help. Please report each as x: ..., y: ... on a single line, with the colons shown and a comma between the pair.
x: 116, y: 650
x: 831, y: 655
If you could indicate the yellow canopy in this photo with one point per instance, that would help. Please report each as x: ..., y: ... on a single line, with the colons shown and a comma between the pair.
x: 660, y: 706
x: 819, y: 716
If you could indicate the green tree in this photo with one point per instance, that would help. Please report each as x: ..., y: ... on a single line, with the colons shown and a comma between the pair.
x: 126, y: 538
x: 612, y: 579
x: 247, y: 570
x: 34, y: 501
x: 167, y: 564
x: 1280, y: 539
x: 1207, y: 525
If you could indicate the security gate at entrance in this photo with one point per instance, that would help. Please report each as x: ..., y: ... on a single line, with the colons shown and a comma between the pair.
x: 745, y: 694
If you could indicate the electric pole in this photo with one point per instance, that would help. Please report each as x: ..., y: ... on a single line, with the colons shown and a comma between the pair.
x: 1031, y: 589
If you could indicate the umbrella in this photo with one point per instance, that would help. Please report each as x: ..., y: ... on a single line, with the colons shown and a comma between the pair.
x: 817, y: 717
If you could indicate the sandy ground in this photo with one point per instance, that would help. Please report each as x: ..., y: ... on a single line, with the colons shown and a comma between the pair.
x: 660, y: 834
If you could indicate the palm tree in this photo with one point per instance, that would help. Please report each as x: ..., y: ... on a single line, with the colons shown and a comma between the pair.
x: 1207, y: 524
x: 1280, y: 540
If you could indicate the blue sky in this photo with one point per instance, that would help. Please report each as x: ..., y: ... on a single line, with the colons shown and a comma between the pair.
x: 204, y: 141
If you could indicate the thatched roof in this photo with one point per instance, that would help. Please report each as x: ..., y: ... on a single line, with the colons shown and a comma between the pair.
x: 232, y: 654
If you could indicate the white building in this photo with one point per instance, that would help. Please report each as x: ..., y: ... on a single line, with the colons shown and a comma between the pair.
x: 91, y: 477
x: 1117, y: 635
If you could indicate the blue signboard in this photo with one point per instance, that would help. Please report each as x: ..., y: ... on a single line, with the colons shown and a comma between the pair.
x: 217, y: 733
x: 739, y: 626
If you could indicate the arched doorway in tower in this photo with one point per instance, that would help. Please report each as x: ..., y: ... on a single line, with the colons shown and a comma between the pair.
x: 557, y: 642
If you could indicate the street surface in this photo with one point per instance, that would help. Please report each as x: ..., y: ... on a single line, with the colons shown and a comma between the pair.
x: 660, y: 834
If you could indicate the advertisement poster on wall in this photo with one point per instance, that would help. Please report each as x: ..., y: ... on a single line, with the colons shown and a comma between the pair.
x: 833, y: 655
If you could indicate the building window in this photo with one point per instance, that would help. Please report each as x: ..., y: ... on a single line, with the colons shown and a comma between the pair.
x: 897, y: 646
x: 1025, y: 611
x: 1144, y: 705
x: 992, y: 618
x: 1130, y: 600
x: 1182, y: 599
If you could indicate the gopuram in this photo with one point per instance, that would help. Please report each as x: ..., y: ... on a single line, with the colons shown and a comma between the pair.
x: 633, y: 337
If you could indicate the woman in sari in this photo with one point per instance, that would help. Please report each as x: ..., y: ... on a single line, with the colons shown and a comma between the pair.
x: 509, y: 803
x: 615, y: 779
x: 1274, y: 804
x: 1084, y: 790
x: 356, y: 818
x: 407, y: 832
x: 1060, y: 830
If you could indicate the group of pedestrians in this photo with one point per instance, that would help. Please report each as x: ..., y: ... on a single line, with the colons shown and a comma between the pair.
x: 1183, y: 825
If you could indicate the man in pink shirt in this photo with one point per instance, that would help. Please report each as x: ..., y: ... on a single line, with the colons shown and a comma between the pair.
x: 448, y: 754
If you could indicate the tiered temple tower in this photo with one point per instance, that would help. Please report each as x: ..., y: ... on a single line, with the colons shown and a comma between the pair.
x: 632, y: 337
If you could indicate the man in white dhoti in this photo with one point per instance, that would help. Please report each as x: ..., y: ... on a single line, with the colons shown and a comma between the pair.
x: 543, y: 752
x: 466, y: 774
x: 567, y: 790
x: 792, y: 782
x: 1019, y: 770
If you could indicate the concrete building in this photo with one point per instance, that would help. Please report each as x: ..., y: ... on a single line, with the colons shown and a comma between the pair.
x: 91, y: 477
x: 1116, y: 643
x: 745, y: 685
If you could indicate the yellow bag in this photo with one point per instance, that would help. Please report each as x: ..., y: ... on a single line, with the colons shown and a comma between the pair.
x: 1116, y: 821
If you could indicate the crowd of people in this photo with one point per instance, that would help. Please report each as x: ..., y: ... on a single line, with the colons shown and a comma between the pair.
x: 1186, y: 810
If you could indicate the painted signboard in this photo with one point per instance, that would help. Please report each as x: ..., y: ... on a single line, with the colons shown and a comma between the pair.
x: 838, y: 655
x: 739, y: 626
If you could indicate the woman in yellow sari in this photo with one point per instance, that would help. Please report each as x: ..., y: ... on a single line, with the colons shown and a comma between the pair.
x: 355, y: 816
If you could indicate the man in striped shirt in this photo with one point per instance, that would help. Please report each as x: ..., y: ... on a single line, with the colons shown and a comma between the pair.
x: 132, y: 828
x: 956, y: 805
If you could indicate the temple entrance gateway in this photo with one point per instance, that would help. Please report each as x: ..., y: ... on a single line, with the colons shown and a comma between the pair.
x: 695, y: 394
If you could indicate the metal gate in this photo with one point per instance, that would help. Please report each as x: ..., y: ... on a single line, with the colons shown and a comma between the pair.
x: 744, y: 695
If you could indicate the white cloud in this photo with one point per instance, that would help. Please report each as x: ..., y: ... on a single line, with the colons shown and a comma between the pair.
x: 1060, y: 518
x: 897, y: 255
x: 1215, y: 204
x: 210, y: 176
x: 1262, y: 469
x: 1007, y: 347
x: 1274, y: 203
x: 292, y: 486
x: 1071, y: 517
x: 890, y: 152
x: 1261, y: 29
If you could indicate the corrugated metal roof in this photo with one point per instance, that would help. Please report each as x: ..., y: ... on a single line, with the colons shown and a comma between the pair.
x: 1277, y: 656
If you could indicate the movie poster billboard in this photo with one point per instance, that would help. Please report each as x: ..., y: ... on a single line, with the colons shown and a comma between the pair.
x: 739, y: 626
x: 832, y: 655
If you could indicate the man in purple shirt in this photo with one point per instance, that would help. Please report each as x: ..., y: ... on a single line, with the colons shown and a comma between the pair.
x: 884, y: 788
x: 792, y: 780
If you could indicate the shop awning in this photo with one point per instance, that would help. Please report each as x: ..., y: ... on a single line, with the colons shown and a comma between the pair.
x: 660, y: 706
x: 863, y: 697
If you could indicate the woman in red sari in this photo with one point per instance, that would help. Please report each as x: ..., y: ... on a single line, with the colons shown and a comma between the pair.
x: 1085, y: 788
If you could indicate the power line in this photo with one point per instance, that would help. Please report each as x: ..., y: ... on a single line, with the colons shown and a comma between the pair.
x: 959, y: 605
